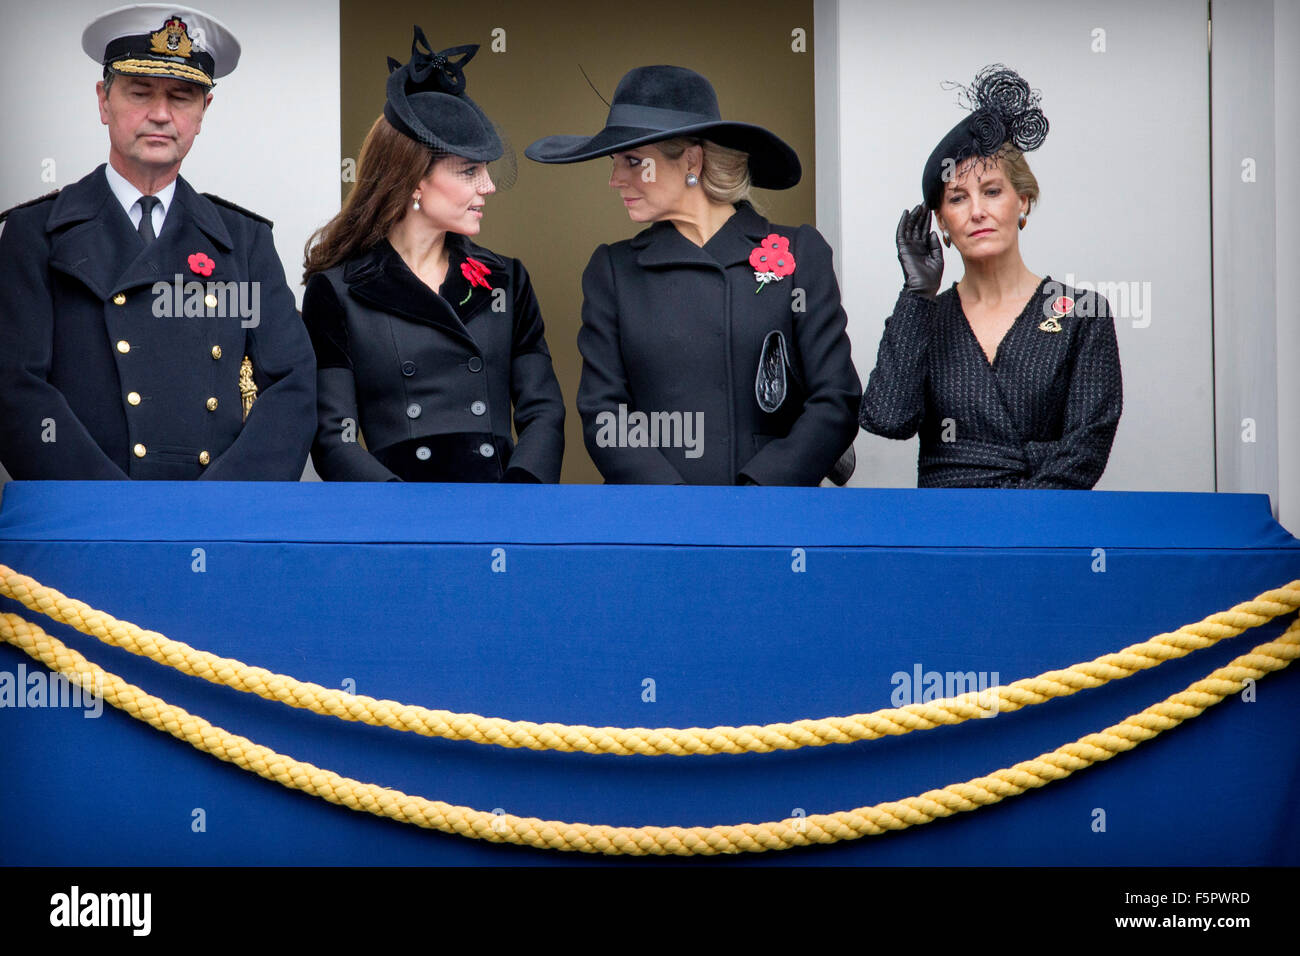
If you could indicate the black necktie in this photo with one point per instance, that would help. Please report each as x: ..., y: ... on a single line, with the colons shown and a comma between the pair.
x: 146, y: 218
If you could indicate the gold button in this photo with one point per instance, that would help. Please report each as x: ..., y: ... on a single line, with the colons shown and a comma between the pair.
x: 216, y: 351
x: 139, y: 451
x: 123, y: 346
x: 212, y: 404
x: 119, y: 299
x: 210, y: 301
x: 204, y: 458
x: 133, y: 398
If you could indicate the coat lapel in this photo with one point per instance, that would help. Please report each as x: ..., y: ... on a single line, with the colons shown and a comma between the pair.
x: 382, y: 280
x: 91, y: 236
x: 193, y: 225
x: 93, y: 239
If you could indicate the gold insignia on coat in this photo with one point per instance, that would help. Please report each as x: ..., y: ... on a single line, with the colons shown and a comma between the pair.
x: 247, y: 387
x: 172, y: 39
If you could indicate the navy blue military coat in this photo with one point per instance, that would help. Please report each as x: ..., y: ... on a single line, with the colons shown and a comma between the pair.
x: 99, y: 375
x: 456, y: 386
x: 670, y: 327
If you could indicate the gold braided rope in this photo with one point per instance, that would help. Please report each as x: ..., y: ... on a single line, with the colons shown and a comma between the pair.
x: 624, y: 741
x: 655, y: 840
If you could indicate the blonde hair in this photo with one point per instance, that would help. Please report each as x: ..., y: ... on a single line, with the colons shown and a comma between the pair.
x: 724, y: 173
x: 1021, y: 177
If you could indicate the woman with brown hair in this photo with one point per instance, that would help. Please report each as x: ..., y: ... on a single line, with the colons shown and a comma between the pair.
x: 429, y: 347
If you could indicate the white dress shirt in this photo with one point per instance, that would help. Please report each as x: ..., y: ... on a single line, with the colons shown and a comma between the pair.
x: 129, y: 197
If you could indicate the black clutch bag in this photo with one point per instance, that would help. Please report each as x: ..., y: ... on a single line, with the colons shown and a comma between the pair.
x: 778, y: 385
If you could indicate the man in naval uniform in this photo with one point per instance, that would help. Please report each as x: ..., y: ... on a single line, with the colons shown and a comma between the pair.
x: 146, y: 331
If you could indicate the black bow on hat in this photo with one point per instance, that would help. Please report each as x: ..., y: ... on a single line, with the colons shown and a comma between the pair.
x: 427, y: 102
x: 654, y: 103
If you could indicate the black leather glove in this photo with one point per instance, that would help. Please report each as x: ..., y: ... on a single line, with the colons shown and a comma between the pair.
x: 919, y: 254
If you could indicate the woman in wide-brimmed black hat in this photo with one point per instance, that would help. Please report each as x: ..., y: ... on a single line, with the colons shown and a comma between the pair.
x: 713, y: 342
x: 429, y: 347
x: 1012, y: 380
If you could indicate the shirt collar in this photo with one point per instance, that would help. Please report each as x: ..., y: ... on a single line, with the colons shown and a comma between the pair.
x: 128, y: 195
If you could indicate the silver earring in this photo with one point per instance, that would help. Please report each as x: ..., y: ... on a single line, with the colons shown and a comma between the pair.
x: 692, y: 179
x: 1023, y: 219
x: 416, y: 204
x: 947, y: 240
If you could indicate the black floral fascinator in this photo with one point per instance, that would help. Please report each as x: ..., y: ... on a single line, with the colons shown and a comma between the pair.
x: 427, y: 102
x: 1004, y: 111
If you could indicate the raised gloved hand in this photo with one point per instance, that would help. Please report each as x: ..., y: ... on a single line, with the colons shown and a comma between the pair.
x: 919, y: 253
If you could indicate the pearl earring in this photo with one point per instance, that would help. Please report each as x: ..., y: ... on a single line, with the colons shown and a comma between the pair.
x: 416, y: 204
x: 692, y: 179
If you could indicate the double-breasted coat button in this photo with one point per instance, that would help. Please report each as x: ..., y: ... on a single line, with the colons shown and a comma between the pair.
x: 204, y: 458
x: 138, y: 450
x: 413, y: 410
x: 216, y: 351
x: 133, y: 398
x: 408, y: 369
x: 212, y: 404
x: 210, y: 301
x: 123, y: 346
x: 475, y: 364
x: 477, y: 408
x: 423, y: 453
x: 486, y: 449
x: 119, y: 299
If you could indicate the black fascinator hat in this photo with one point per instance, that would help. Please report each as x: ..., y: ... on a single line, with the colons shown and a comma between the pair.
x: 427, y: 102
x: 1003, y: 110
x: 654, y: 103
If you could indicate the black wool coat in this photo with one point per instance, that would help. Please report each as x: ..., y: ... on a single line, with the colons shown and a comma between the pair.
x: 101, y: 376
x: 670, y: 327
x: 420, y: 385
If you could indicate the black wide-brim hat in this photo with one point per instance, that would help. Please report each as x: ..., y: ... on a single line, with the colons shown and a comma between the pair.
x: 654, y: 103
x: 426, y: 101
x: 1005, y: 111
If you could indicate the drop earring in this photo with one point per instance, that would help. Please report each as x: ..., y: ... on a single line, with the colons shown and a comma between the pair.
x: 947, y: 239
x: 1023, y: 219
x: 416, y: 204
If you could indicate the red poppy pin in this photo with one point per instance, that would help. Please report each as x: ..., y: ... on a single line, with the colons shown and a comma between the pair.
x: 772, y: 261
x: 1061, y: 307
x: 201, y: 264
x: 475, y: 274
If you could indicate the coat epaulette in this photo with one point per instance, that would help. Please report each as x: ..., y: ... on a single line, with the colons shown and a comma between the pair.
x: 23, y: 205
x: 239, y: 209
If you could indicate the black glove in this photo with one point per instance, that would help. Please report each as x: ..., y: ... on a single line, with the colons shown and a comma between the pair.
x: 918, y: 253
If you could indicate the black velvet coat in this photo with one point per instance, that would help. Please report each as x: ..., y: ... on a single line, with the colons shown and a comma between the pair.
x: 1042, y: 414
x: 419, y: 386
x: 668, y: 326
x: 98, y: 379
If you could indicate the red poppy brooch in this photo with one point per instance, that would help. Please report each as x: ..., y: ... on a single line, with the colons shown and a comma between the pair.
x: 475, y: 274
x: 772, y: 261
x: 201, y: 264
x: 1061, y: 307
